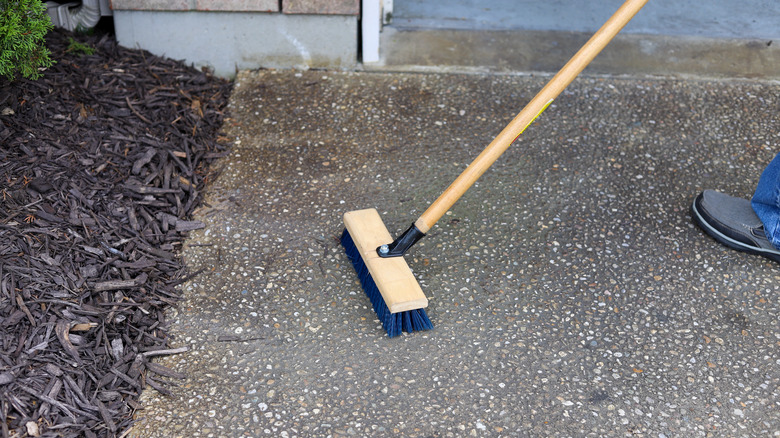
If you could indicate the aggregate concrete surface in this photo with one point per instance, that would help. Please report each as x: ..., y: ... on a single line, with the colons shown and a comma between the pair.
x: 571, y: 293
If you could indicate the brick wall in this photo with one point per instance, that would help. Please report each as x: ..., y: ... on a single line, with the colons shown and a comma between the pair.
x: 340, y: 7
x: 315, y: 7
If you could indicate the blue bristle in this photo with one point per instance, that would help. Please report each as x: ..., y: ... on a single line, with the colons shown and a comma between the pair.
x: 394, y: 323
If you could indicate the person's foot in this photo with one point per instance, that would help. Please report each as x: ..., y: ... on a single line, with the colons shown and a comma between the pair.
x: 732, y: 222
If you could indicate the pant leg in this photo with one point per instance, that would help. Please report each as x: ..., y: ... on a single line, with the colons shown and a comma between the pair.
x: 766, y: 201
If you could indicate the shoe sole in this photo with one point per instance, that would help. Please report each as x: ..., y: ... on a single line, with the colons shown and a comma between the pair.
x: 726, y: 240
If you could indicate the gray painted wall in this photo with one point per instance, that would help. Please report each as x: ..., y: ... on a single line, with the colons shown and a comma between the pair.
x: 226, y: 41
x: 759, y: 19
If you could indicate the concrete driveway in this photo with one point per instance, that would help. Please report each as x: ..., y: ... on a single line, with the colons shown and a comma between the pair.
x: 570, y: 292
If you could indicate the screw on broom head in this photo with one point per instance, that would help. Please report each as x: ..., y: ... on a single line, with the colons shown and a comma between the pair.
x: 395, y: 295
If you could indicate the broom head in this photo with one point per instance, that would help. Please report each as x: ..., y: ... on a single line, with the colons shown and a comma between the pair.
x: 395, y: 294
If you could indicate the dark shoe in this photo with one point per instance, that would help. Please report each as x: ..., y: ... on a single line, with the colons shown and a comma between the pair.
x: 732, y: 222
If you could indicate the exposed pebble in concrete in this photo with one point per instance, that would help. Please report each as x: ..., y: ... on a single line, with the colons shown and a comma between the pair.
x: 571, y: 294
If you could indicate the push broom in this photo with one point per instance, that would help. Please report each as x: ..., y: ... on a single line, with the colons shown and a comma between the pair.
x: 395, y: 294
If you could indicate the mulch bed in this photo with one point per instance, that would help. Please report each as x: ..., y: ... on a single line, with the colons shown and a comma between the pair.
x: 102, y: 162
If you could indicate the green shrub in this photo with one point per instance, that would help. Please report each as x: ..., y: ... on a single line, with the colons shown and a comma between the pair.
x: 23, y: 26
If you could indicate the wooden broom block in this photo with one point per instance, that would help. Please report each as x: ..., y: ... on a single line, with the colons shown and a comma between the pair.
x: 392, y: 276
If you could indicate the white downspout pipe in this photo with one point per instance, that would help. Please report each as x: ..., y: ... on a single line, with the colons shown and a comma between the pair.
x: 370, y: 26
x: 86, y: 16
x: 72, y: 16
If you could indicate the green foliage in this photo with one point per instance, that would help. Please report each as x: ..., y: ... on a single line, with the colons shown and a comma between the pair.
x: 80, y: 48
x: 23, y: 26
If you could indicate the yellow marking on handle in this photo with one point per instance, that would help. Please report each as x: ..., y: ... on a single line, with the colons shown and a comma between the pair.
x: 534, y: 119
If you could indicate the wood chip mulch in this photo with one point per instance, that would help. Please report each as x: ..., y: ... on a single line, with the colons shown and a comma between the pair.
x: 102, y: 162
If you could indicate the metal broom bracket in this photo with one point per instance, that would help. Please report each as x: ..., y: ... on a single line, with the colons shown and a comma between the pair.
x: 402, y: 244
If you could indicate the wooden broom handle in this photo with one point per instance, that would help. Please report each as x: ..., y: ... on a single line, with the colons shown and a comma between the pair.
x: 535, y: 107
